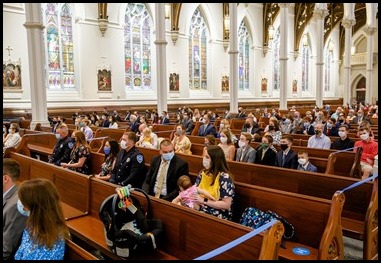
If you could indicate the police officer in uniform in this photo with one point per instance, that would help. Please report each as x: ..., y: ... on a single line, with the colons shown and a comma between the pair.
x: 130, y: 166
x: 63, y: 147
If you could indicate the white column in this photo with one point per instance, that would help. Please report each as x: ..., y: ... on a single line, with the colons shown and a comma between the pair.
x: 36, y: 55
x: 283, y: 57
x: 319, y: 15
x: 161, y: 58
x: 233, y: 52
x: 369, y: 31
x: 347, y: 24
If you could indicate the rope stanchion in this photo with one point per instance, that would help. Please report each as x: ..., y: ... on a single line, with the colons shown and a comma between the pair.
x: 359, y: 183
x: 236, y: 242
x: 346, y: 150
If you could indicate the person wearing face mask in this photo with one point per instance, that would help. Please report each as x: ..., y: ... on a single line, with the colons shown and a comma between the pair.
x: 308, y: 128
x: 218, y: 181
x: 164, y: 118
x: 187, y: 122
x: 274, y: 131
x: 265, y: 154
x: 245, y: 153
x: 224, y: 124
x: 111, y: 150
x: 46, y: 230
x: 250, y: 126
x: 62, y: 149
x: 329, y: 128
x: 286, y: 158
x: 87, y: 130
x: 164, y: 171
x: 13, y: 138
x: 208, y: 141
x: 180, y: 141
x: 227, y: 145
x: 304, y: 164
x: 113, y: 123
x: 206, y: 127
x: 146, y: 139
x: 343, y: 142
x: 130, y: 165
x: 369, y: 151
x: 319, y: 140
x: 13, y: 221
x: 359, y: 117
x: 287, y: 126
x: 342, y: 121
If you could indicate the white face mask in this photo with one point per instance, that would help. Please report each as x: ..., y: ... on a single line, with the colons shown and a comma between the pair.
x: 342, y: 133
x: 203, y: 121
x: 364, y: 136
x: 241, y: 144
x: 206, y: 163
x: 302, y: 161
x: 123, y: 144
x: 223, y: 139
x: 222, y: 125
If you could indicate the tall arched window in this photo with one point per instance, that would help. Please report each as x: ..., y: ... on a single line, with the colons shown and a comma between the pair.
x: 58, y: 38
x: 137, y: 47
x: 276, y: 63
x: 197, y: 52
x: 243, y: 42
x: 305, y: 66
x: 328, y: 56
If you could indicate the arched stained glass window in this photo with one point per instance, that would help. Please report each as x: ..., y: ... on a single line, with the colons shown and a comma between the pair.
x: 276, y: 62
x: 305, y: 67
x: 328, y: 56
x: 243, y: 42
x: 197, y: 52
x: 137, y: 47
x: 58, y: 38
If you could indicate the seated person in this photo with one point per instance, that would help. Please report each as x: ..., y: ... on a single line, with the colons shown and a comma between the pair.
x: 245, y: 153
x: 227, y: 144
x: 266, y: 154
x: 188, y: 191
x: 304, y: 164
x: 180, y: 141
x: 146, y: 140
x: 111, y: 150
x: 369, y: 152
x: 330, y: 128
x: 13, y: 138
x: 343, y: 142
x: 319, y: 140
x: 286, y: 158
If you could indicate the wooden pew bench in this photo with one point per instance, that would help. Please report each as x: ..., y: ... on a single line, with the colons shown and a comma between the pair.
x: 114, y: 134
x: 41, y: 144
x: 73, y: 187
x: 75, y: 252
x: 180, y: 241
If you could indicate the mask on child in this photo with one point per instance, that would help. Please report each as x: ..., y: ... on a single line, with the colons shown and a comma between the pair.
x: 364, y: 136
x: 223, y: 139
x: 302, y: 161
x: 107, y: 150
x: 206, y: 163
x: 342, y: 133
x: 241, y: 144
x: 20, y: 207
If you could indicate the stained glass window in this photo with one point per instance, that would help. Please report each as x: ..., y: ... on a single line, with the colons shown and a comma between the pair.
x: 276, y: 62
x: 58, y: 38
x: 243, y: 42
x: 327, y: 68
x: 137, y: 47
x: 197, y: 52
x: 305, y: 67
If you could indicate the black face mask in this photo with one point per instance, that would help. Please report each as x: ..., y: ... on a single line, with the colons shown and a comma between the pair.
x: 341, y: 120
x: 247, y: 125
x: 283, y: 146
x: 271, y: 128
x: 317, y: 132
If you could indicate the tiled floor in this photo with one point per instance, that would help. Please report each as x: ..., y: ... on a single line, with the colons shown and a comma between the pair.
x: 353, y: 249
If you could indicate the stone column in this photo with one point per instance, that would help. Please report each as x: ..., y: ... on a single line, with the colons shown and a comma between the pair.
x: 233, y: 55
x: 161, y: 58
x: 319, y: 15
x: 36, y: 55
x: 283, y: 57
x: 369, y: 31
x: 347, y: 24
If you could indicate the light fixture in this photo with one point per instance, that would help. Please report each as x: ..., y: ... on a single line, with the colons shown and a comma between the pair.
x: 271, y: 26
x: 226, y: 26
x: 331, y: 46
x: 167, y: 10
x: 305, y: 40
x: 227, y: 22
x: 353, y: 50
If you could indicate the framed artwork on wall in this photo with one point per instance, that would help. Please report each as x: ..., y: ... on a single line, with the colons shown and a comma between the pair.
x: 104, y: 80
x: 264, y: 85
x: 12, y: 75
x: 225, y: 84
x: 174, y: 84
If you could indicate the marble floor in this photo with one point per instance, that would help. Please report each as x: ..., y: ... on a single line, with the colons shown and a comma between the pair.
x: 353, y: 249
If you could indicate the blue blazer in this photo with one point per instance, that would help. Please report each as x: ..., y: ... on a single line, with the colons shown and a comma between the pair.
x: 310, y: 168
x: 210, y: 129
x: 291, y: 160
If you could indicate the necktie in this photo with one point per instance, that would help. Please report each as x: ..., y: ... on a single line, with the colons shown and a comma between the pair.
x: 283, y: 159
x: 242, y: 153
x: 161, y: 177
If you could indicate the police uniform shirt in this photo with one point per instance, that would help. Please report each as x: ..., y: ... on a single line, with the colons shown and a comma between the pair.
x: 129, y: 168
x: 61, y: 151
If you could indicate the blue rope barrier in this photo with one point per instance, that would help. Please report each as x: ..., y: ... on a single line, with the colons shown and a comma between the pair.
x: 236, y: 242
x: 346, y: 150
x: 359, y: 183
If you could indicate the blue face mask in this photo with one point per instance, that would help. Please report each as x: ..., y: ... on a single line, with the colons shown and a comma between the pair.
x: 107, y: 150
x: 20, y: 207
x: 70, y: 144
x: 58, y: 136
x: 168, y: 156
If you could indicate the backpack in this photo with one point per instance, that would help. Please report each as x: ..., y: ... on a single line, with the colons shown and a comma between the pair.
x: 255, y: 218
x: 128, y: 230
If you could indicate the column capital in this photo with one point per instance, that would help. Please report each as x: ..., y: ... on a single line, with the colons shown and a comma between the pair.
x: 369, y: 31
x: 320, y: 14
x: 348, y: 23
x: 32, y: 25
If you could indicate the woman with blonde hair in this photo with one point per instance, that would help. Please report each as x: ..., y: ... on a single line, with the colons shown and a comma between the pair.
x: 180, y: 141
x: 45, y: 232
x: 227, y: 144
x: 80, y: 154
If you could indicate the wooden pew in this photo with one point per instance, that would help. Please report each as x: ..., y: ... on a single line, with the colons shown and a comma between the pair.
x: 115, y: 134
x: 42, y: 144
x: 73, y: 187
x: 97, y: 144
x: 360, y: 200
x: 75, y: 252
x: 20, y: 148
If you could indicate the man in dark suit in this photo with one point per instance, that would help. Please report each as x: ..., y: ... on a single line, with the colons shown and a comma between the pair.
x: 241, y: 113
x: 164, y: 171
x: 251, y: 126
x: 165, y: 118
x: 286, y: 158
x: 265, y: 153
x: 207, y: 128
x: 188, y: 123
x: 134, y: 124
